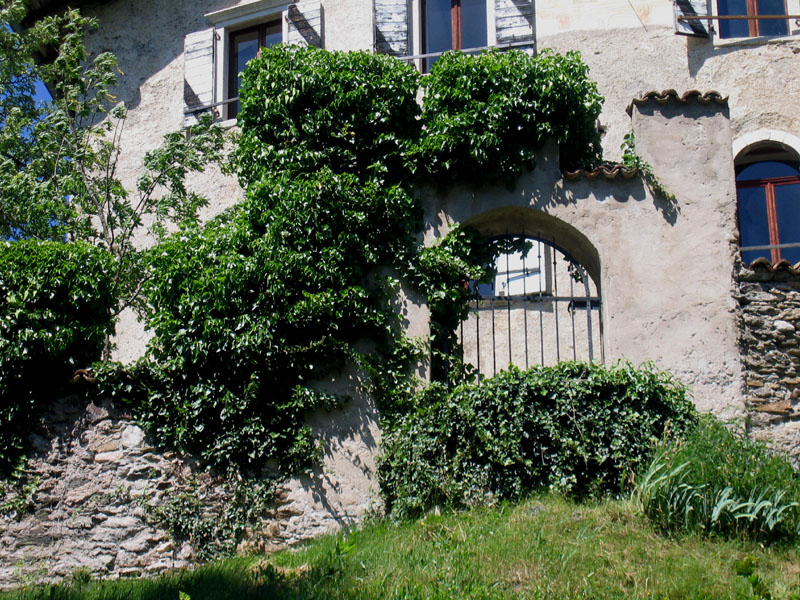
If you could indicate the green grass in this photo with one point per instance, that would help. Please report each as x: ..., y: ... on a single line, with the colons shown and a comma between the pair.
x: 719, y: 481
x: 546, y: 547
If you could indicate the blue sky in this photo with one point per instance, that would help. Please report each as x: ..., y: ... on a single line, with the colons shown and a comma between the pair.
x: 42, y: 95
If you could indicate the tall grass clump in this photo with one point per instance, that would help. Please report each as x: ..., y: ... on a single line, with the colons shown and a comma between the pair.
x: 720, y: 482
x: 579, y: 428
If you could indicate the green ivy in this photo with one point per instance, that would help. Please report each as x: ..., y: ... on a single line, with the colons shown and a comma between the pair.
x: 286, y: 288
x: 485, y: 117
x: 213, y: 533
x: 575, y: 427
x: 56, y: 302
x: 304, y: 108
x: 274, y: 295
x: 632, y: 160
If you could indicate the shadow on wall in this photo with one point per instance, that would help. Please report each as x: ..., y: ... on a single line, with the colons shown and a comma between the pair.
x: 146, y: 47
x: 700, y: 50
x: 339, y: 490
x: 521, y: 220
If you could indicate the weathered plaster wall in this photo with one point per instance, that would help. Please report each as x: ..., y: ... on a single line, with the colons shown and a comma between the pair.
x: 759, y: 78
x: 664, y: 271
x: 149, y: 47
x: 630, y: 49
x: 559, y: 16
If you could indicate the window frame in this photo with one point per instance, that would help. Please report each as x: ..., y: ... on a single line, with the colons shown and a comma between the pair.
x: 417, y: 31
x: 455, y: 24
x: 768, y: 183
x: 777, y: 164
x: 231, y: 88
x: 230, y: 21
x: 752, y: 24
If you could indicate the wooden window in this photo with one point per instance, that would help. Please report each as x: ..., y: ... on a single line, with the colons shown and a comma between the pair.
x: 752, y: 27
x: 768, y: 194
x: 452, y: 25
x: 244, y: 46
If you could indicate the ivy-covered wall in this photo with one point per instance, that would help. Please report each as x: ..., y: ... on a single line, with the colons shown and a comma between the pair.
x: 664, y: 268
x: 662, y: 300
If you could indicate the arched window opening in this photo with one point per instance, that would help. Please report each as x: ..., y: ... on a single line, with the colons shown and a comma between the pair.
x: 768, y: 199
x: 540, y: 307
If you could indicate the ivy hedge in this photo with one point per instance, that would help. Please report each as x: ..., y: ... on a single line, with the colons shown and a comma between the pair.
x: 56, y: 303
x: 485, y: 117
x: 575, y: 427
x: 272, y: 296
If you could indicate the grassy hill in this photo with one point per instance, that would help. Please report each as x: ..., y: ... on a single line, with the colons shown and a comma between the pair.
x: 545, y: 547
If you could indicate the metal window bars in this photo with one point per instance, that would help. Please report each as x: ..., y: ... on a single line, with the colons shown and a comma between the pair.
x: 499, y: 331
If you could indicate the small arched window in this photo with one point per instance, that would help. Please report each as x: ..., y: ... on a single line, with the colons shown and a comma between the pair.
x: 768, y: 192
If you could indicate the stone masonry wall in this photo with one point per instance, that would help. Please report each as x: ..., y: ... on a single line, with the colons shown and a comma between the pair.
x: 95, y: 484
x: 89, y: 468
x: 770, y: 303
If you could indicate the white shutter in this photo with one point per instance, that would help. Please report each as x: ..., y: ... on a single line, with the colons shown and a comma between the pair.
x: 198, y: 74
x: 391, y: 27
x: 514, y: 21
x: 304, y: 24
x: 691, y: 8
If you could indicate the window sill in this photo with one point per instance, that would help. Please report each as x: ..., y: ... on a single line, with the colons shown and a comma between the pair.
x: 761, y: 40
x: 226, y: 124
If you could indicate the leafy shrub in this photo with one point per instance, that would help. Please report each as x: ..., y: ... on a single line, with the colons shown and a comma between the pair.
x: 261, y: 302
x: 276, y: 293
x: 355, y: 112
x: 577, y: 427
x: 212, y: 533
x: 718, y: 481
x: 485, y: 116
x: 55, y: 313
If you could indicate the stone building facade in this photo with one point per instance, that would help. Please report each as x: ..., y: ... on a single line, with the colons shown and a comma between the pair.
x: 669, y: 283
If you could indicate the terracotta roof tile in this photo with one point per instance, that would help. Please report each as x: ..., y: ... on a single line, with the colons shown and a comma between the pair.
x: 667, y: 95
x: 603, y: 171
x: 761, y: 269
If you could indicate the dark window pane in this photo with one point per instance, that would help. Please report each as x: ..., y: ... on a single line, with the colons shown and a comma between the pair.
x: 787, y: 205
x: 772, y: 26
x: 485, y: 290
x: 273, y: 34
x: 735, y: 28
x: 473, y: 23
x: 753, y: 225
x: 244, y: 47
x: 767, y: 170
x: 438, y: 28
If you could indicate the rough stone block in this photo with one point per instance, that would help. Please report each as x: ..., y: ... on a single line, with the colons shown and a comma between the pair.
x: 138, y: 543
x: 107, y: 457
x: 783, y: 407
x: 132, y: 437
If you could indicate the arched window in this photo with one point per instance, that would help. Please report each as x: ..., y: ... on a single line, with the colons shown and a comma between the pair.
x: 768, y: 192
x: 540, y: 307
